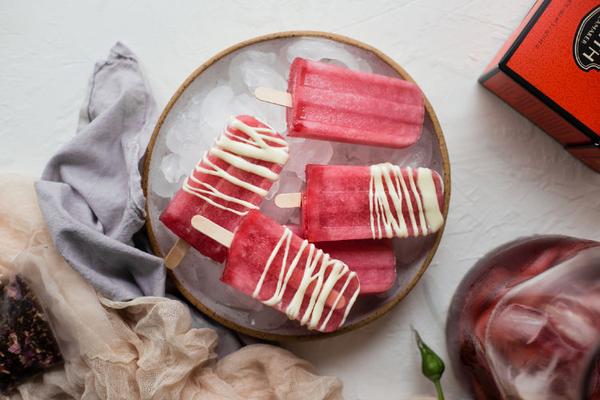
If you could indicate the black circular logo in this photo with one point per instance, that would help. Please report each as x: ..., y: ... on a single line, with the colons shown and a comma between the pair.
x: 586, y: 47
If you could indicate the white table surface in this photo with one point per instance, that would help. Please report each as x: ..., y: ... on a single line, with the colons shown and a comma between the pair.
x: 508, y: 178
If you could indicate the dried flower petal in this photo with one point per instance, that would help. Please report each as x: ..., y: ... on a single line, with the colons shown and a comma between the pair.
x: 27, y: 343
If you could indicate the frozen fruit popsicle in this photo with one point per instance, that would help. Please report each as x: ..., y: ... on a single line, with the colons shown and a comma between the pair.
x: 361, y: 202
x: 329, y: 102
x: 229, y: 181
x: 268, y: 262
x: 373, y: 261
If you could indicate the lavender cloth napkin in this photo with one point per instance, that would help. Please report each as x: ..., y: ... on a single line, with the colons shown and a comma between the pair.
x: 90, y: 192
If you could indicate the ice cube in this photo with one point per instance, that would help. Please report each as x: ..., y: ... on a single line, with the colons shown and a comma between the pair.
x: 169, y: 166
x: 274, y: 116
x: 189, y: 157
x: 249, y: 70
x: 161, y: 187
x: 304, y: 152
x: 573, y: 322
x: 321, y: 50
x: 531, y: 384
x: 363, y: 65
x: 255, y: 75
x: 172, y: 139
x: 288, y: 183
x: 215, y: 109
x: 273, y: 191
x: 517, y: 324
x: 266, y: 58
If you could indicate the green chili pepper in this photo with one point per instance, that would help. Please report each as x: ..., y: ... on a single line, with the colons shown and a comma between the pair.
x: 431, y: 365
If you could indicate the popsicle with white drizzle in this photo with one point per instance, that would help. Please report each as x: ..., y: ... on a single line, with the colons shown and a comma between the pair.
x: 231, y: 179
x: 368, y: 202
x: 273, y: 265
x: 328, y: 102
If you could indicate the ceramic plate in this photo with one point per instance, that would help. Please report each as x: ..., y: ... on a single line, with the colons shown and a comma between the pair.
x: 199, y: 111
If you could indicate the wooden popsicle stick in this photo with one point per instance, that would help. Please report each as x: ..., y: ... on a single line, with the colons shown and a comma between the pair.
x: 212, y: 230
x: 273, y: 96
x: 223, y: 236
x: 288, y: 200
x: 331, y: 298
x: 176, y: 254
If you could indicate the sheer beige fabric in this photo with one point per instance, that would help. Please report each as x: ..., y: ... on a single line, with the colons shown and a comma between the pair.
x: 142, y: 349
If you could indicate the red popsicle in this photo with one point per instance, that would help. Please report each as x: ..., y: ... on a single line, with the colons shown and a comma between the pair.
x: 373, y: 261
x: 268, y: 262
x: 228, y: 182
x: 369, y: 202
x: 329, y: 102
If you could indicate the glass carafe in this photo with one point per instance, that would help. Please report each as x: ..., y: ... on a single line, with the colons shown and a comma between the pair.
x: 525, y: 321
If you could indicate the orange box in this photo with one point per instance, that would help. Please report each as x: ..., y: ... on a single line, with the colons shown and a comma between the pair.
x: 549, y: 71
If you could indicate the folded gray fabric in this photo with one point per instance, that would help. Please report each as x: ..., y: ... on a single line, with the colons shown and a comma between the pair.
x: 91, y: 195
x: 90, y: 192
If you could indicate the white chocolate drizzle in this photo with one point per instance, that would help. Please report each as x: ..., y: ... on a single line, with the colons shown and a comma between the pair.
x: 231, y: 147
x: 315, y: 270
x: 389, y: 191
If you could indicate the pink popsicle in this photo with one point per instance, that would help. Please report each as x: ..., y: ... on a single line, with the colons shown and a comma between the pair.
x: 230, y: 180
x: 339, y: 104
x: 370, y: 202
x: 268, y: 262
x: 373, y: 261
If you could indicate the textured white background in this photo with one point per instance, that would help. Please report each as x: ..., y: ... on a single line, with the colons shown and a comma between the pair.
x: 509, y: 179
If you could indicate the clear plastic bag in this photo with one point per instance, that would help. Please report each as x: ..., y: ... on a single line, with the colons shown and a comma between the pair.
x: 28, y: 345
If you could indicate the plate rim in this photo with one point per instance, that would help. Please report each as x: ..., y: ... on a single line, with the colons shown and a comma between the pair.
x: 376, y: 314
